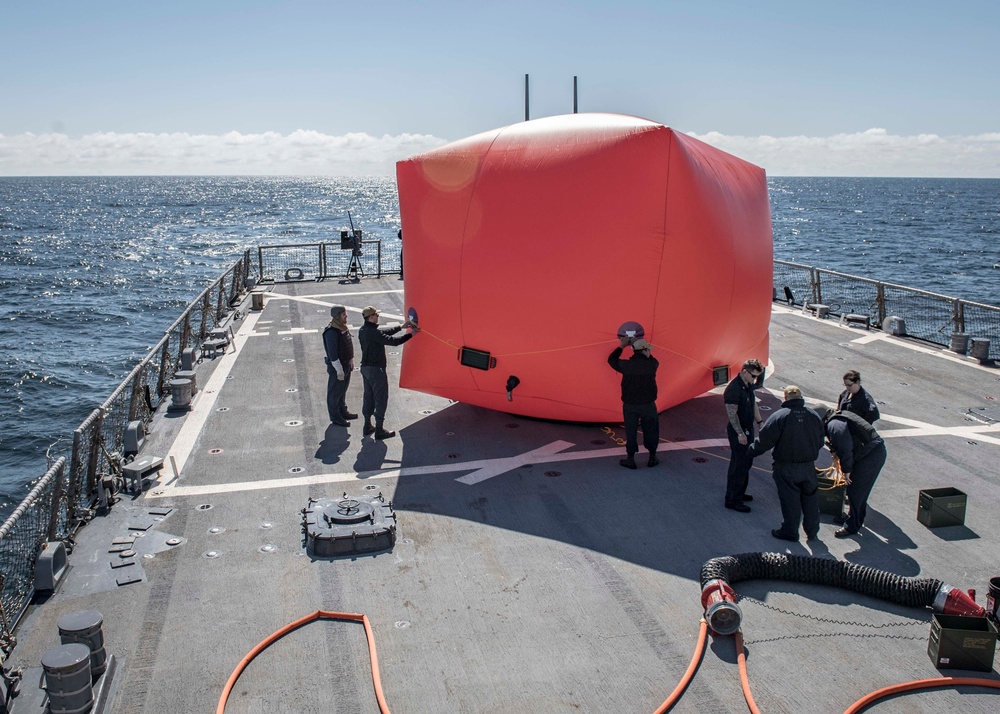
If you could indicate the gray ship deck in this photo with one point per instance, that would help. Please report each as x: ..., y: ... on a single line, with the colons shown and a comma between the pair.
x: 552, y: 580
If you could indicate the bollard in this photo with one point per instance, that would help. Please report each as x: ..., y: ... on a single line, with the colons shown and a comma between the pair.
x: 180, y: 395
x: 190, y: 375
x: 84, y: 626
x: 979, y: 348
x: 959, y: 343
x: 67, y: 681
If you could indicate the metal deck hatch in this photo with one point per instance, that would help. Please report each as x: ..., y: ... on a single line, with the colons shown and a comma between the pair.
x: 348, y: 524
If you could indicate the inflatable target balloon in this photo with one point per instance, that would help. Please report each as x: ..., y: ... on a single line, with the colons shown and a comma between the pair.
x: 526, y: 246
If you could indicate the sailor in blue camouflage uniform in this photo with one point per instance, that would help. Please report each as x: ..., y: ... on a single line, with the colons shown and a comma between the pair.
x: 796, y: 434
x: 862, y: 455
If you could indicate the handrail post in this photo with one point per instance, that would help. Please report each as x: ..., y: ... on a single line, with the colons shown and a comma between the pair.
x: 260, y: 262
x: 816, y: 288
x: 205, y: 307
x: 97, y: 435
x: 163, y: 366
x: 57, y: 490
x: 959, y: 316
x: 880, y: 301
x: 218, y: 303
x: 133, y: 398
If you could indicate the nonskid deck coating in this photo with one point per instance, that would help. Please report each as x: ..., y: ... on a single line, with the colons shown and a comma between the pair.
x: 532, y: 573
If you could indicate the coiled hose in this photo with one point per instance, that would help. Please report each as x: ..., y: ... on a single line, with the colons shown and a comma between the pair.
x: 724, y: 615
x: 911, y: 592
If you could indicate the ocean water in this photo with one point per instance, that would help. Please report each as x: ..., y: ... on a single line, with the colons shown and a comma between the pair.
x: 93, y: 270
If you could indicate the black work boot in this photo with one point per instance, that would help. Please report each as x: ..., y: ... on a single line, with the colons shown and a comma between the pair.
x: 381, y: 433
x: 369, y: 427
x: 653, y: 461
x: 629, y: 461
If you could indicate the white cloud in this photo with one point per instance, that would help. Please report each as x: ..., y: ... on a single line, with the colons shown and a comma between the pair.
x: 301, y: 153
x: 874, y: 152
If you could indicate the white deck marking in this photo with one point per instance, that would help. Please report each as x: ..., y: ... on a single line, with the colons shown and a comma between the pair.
x: 481, y: 469
x: 204, y: 401
x: 296, y: 331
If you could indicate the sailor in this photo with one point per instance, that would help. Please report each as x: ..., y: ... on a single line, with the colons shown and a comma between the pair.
x: 638, y: 398
x: 862, y: 454
x: 741, y: 408
x: 373, y: 342
x: 339, y: 365
x: 796, y: 434
x: 855, y: 399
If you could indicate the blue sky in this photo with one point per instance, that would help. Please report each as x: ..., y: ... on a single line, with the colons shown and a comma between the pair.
x: 838, y: 88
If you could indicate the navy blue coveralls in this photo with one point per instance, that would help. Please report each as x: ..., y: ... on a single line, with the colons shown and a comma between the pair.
x: 373, y: 342
x: 862, y: 454
x: 862, y: 404
x: 741, y: 394
x: 638, y: 399
x: 796, y: 434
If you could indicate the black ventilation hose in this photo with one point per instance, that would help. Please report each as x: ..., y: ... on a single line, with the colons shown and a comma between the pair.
x: 911, y: 592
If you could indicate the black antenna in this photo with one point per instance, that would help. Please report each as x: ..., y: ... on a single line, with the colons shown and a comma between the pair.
x: 526, y: 117
x: 351, y: 220
x: 574, y: 95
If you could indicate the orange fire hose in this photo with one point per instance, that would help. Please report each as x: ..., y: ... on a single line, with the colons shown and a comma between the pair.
x: 699, y: 650
x: 291, y: 627
x: 917, y: 685
x: 741, y: 659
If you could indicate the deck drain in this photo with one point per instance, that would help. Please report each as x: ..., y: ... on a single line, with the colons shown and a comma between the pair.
x: 291, y: 390
x: 267, y: 524
x: 296, y: 470
x: 597, y: 442
x: 699, y: 459
x: 904, y: 384
x: 127, y: 554
x: 426, y: 412
x: 511, y: 426
x: 764, y: 407
x: 452, y: 456
x: 215, y: 451
x: 211, y: 553
x: 407, y: 541
x: 268, y: 548
x: 370, y: 487
x: 286, y: 320
x: 402, y: 624
x: 970, y: 442
x: 173, y: 541
x: 394, y: 353
x: 204, y: 507
x: 294, y: 422
x: 216, y: 530
x: 288, y: 360
x: 553, y: 474
x: 287, y: 339
x: 148, y: 556
x: 222, y: 409
x: 232, y: 376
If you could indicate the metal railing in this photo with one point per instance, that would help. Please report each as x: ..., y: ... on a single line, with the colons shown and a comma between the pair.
x: 928, y: 316
x: 62, y: 500
x: 37, y: 519
x: 319, y: 261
